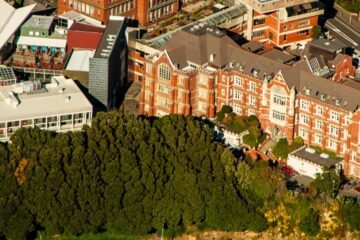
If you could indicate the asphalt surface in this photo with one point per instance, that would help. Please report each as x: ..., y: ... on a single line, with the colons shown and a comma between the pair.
x: 344, y: 32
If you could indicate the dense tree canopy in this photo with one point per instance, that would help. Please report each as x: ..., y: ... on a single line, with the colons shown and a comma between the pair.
x: 123, y: 174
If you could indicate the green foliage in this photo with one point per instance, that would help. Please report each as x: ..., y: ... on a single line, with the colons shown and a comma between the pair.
x: 250, y: 140
x: 127, y: 175
x: 297, y: 143
x: 351, y: 214
x: 310, y: 223
x: 320, y: 150
x: 350, y: 5
x: 18, y: 3
x: 281, y: 148
x: 316, y: 32
x: 329, y: 182
x: 224, y: 110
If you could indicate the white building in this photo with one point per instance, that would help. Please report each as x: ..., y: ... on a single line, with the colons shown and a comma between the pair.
x: 57, y: 106
x: 308, y: 162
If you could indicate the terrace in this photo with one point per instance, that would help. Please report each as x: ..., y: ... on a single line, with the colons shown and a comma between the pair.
x: 189, y: 13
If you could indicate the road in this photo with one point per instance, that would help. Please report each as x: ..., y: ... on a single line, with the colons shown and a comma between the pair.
x: 343, y: 32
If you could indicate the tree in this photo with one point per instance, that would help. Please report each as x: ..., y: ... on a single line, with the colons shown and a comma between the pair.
x: 281, y: 148
x: 316, y: 32
x: 250, y: 140
x: 328, y: 182
x: 310, y: 224
x: 351, y: 214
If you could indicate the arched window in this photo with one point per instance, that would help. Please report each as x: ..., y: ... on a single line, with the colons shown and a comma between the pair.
x: 164, y: 72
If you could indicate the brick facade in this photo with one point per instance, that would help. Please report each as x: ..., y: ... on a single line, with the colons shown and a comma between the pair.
x: 145, y: 11
x: 285, y: 106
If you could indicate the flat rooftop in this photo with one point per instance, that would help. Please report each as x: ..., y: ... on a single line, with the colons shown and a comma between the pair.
x: 315, y: 157
x: 36, y: 21
x: 79, y: 60
x: 61, y: 96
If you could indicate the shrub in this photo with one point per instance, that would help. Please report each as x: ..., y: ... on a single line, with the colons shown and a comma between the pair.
x: 281, y: 148
x: 250, y: 140
x: 310, y: 224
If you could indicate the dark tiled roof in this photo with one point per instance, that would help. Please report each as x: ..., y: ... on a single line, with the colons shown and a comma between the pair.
x: 279, y: 56
x: 253, y: 46
x: 85, y: 28
x: 185, y: 46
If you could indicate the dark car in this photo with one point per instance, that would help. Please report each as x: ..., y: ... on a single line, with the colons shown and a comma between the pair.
x: 288, y: 170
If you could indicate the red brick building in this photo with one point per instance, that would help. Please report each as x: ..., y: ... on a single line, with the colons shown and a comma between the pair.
x: 145, y: 11
x: 283, y: 23
x: 208, y: 70
x: 83, y: 36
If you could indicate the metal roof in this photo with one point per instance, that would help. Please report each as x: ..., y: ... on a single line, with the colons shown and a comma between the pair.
x: 46, y: 42
x: 79, y: 60
x: 11, y: 19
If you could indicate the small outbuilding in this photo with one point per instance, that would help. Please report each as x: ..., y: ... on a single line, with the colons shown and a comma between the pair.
x: 308, y: 162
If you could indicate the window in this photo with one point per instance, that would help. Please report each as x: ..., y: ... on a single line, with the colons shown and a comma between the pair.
x: 303, y: 133
x: 147, y: 82
x: 31, y: 33
x: 238, y: 81
x: 334, y: 130
x: 318, y: 138
x: 285, y: 37
x: 223, y: 92
x: 304, y: 105
x: 163, y: 102
x: 203, y: 78
x: 181, y: 80
x: 332, y: 144
x: 335, y: 116
x: 37, y: 34
x: 237, y: 95
x: 252, y: 100
x: 164, y: 72
x: 278, y: 99
x: 252, y: 86
x: 181, y: 95
x: 303, y: 23
x: 148, y: 68
x: 258, y: 34
x: 319, y: 110
x: 237, y: 109
x: 147, y: 96
x: 203, y: 93
x: 259, y: 21
x: 163, y: 89
x: 304, y: 119
x: 278, y: 115
x: 271, y: 36
x: 318, y: 124
x: 306, y: 32
x: 251, y: 112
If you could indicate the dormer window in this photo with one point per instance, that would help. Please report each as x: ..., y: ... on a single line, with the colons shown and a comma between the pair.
x: 322, y: 97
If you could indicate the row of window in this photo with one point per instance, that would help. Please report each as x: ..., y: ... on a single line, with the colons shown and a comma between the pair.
x: 319, y: 110
x: 318, y: 139
x: 333, y: 130
x: 122, y: 8
x: 158, y: 13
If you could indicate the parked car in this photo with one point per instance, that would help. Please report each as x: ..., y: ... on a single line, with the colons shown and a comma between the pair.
x: 288, y: 170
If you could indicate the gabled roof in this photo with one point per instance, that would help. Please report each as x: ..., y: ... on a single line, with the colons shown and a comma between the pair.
x: 11, y: 19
